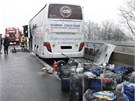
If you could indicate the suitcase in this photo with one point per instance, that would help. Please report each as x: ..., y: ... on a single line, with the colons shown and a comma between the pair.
x: 95, y: 84
x: 78, y: 84
x: 65, y: 84
x: 73, y: 66
x: 123, y: 70
x: 95, y: 70
x: 129, y: 91
x: 65, y: 73
x: 109, y: 81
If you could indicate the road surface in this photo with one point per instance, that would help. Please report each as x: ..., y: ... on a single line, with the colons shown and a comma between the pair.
x: 21, y: 79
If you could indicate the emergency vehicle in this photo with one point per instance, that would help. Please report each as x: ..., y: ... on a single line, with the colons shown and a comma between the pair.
x: 14, y: 34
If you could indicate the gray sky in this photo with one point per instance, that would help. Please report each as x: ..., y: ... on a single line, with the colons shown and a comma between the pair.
x: 16, y: 13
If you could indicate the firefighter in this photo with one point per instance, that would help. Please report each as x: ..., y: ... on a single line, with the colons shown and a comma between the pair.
x: 6, y: 43
x: 23, y: 41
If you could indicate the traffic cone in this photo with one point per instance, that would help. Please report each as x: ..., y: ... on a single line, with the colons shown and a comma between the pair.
x: 55, y: 65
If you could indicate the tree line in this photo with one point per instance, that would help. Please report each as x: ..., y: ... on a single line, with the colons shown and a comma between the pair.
x: 110, y: 31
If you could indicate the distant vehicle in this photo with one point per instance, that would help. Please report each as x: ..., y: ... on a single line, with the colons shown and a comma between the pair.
x: 57, y: 29
x: 14, y: 34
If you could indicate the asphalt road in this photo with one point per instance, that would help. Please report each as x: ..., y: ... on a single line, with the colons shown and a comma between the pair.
x: 21, y: 79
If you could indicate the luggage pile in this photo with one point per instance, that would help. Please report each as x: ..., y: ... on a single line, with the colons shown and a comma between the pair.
x: 97, y: 80
x: 97, y: 84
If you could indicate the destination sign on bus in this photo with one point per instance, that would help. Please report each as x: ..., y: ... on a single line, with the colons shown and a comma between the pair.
x: 65, y: 26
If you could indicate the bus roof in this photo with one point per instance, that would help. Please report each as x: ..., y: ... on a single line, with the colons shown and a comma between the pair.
x: 54, y: 3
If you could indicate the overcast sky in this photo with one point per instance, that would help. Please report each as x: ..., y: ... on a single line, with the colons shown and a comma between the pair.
x: 16, y: 13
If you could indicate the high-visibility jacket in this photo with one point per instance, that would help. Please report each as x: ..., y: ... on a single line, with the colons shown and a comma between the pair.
x: 22, y: 39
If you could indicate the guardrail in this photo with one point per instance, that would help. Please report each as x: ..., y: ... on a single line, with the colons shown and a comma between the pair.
x: 116, y: 58
x: 121, y: 47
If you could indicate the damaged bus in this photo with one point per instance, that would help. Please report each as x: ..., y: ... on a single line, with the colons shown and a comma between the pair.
x: 58, y: 29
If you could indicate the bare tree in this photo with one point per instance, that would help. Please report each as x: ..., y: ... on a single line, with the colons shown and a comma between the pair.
x: 111, y: 32
x: 92, y: 30
x: 106, y: 31
x: 119, y: 35
x: 128, y: 14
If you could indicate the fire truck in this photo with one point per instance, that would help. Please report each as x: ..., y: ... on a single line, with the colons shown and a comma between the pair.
x: 14, y: 34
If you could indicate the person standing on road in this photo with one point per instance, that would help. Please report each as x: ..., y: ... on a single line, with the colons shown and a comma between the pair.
x: 22, y: 41
x: 6, y: 44
x: 0, y: 43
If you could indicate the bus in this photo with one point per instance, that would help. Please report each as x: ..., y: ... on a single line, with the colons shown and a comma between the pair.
x: 58, y: 29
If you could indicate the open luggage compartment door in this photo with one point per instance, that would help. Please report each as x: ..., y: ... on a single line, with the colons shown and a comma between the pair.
x: 104, y: 54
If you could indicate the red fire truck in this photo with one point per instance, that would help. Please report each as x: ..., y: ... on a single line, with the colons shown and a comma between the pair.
x: 14, y: 34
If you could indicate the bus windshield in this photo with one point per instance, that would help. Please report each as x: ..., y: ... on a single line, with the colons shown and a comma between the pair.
x: 62, y: 11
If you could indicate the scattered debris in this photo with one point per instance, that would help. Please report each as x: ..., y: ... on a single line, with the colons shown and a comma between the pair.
x: 47, y: 70
x: 14, y: 50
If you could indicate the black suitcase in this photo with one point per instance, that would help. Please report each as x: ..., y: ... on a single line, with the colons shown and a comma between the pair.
x: 65, y: 72
x: 66, y: 69
x: 64, y: 75
x: 65, y: 84
x: 78, y: 85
